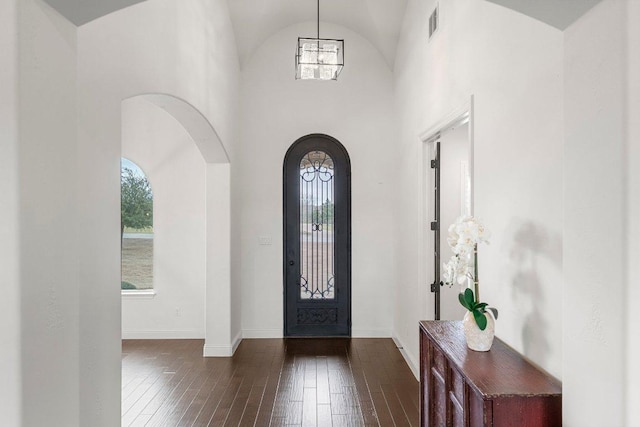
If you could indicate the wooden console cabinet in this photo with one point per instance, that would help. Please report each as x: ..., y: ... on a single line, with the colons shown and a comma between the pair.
x: 499, y: 388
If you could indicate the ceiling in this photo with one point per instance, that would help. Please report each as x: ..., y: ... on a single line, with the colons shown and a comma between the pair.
x: 379, y: 21
x: 557, y: 13
x: 82, y: 11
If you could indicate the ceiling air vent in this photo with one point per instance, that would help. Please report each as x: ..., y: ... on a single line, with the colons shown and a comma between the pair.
x: 434, y: 21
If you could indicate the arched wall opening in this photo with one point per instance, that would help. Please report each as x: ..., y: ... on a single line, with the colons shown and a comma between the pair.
x: 184, y: 158
x: 181, y: 49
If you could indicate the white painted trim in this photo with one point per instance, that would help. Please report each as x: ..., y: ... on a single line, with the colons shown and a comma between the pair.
x: 371, y: 333
x: 412, y: 360
x: 236, y: 342
x: 262, y: 333
x: 163, y: 335
x: 222, y: 350
x: 453, y: 119
x: 460, y: 116
x: 138, y: 294
x: 217, y: 351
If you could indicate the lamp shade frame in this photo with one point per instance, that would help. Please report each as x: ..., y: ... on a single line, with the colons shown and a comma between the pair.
x: 305, y: 65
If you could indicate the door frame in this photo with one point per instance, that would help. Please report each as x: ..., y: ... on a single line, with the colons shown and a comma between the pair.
x: 309, y: 142
x: 459, y: 116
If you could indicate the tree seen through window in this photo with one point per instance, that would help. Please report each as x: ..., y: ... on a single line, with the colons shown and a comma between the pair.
x: 136, y: 227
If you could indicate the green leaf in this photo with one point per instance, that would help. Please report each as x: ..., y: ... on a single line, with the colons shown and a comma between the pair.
x: 464, y: 302
x: 481, y: 306
x: 468, y: 296
x: 494, y: 311
x: 481, y: 319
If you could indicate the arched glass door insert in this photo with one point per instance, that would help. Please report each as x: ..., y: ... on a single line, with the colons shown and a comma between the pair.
x: 317, y: 238
x: 317, y: 275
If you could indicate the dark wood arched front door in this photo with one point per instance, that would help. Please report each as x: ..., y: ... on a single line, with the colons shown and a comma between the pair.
x: 317, y: 238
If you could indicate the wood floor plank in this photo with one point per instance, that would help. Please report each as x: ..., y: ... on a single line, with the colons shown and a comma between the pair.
x: 324, y: 415
x: 219, y: 416
x: 294, y: 413
x: 270, y: 382
x: 268, y: 398
x: 322, y: 381
x: 395, y: 406
x: 382, y: 409
x: 254, y: 399
x: 309, y: 408
x: 199, y: 400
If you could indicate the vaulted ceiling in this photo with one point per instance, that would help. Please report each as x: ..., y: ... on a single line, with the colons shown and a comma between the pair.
x: 557, y: 13
x: 82, y: 11
x: 379, y: 21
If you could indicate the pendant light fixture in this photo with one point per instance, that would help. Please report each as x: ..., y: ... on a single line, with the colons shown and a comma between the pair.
x: 319, y: 59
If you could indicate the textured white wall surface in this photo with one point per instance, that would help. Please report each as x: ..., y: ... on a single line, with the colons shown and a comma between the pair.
x: 176, y: 48
x: 276, y: 111
x: 222, y: 304
x: 597, y: 239
x: 46, y: 178
x: 512, y: 65
x: 633, y: 212
x: 157, y: 143
x: 10, y: 387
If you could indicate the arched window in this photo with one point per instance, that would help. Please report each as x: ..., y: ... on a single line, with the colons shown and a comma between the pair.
x: 136, y: 227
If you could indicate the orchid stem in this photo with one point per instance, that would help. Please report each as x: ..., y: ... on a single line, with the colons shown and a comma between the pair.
x: 475, y: 273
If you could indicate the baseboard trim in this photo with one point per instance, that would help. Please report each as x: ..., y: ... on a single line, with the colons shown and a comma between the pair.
x: 187, y: 334
x: 411, y: 360
x: 262, y: 333
x: 371, y: 333
x: 217, y: 351
x: 236, y: 342
x: 222, y: 350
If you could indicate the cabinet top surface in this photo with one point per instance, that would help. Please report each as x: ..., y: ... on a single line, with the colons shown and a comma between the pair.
x: 500, y: 371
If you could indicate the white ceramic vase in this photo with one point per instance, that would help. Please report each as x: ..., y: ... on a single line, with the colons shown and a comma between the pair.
x: 477, y: 339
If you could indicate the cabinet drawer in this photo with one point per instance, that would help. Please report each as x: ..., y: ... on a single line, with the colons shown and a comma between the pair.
x: 439, y: 400
x: 439, y: 361
x: 458, y: 418
x: 457, y: 385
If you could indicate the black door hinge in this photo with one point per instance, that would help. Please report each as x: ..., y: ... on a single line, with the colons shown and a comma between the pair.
x: 435, y: 287
x: 434, y: 225
x: 434, y: 164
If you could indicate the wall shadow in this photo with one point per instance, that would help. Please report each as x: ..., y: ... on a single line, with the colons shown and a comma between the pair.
x: 530, y: 244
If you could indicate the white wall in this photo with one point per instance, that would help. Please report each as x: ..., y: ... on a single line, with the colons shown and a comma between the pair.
x: 596, y: 225
x: 513, y: 67
x: 184, y: 49
x: 276, y: 111
x: 633, y: 212
x: 42, y: 166
x: 10, y: 385
x: 164, y: 150
x: 223, y: 332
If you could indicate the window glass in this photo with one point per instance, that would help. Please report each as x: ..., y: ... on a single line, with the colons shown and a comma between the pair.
x: 136, y: 227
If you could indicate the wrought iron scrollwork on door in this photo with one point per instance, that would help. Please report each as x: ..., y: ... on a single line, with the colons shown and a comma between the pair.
x: 317, y: 226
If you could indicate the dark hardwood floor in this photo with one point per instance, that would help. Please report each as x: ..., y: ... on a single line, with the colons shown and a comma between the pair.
x: 268, y: 382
